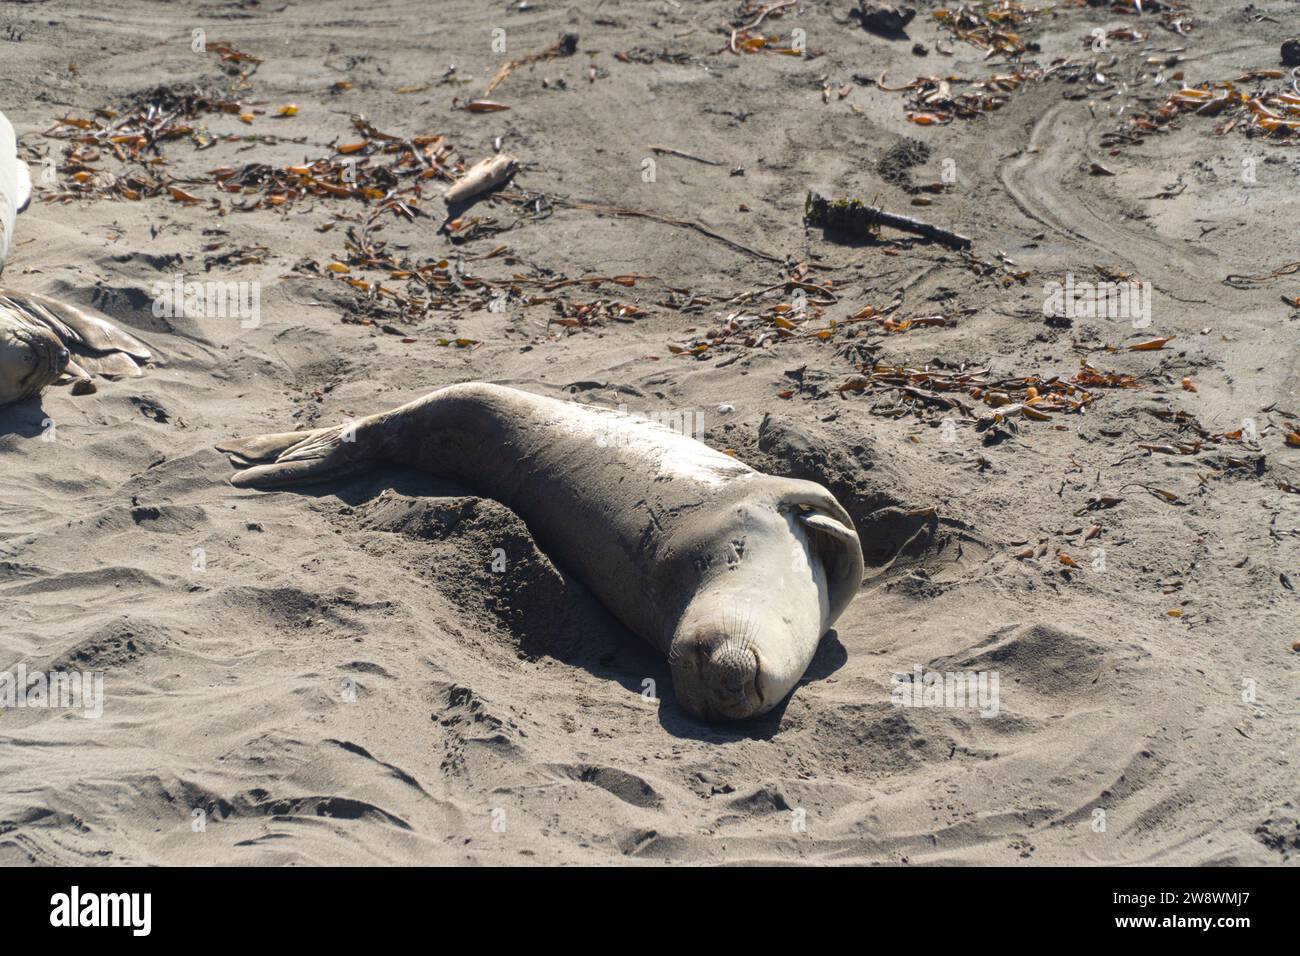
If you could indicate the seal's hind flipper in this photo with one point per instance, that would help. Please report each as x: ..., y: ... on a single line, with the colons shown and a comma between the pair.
x: 298, y: 457
x: 262, y: 448
x: 287, y: 473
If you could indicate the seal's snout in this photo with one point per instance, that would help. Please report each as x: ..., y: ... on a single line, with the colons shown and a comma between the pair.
x: 717, y: 675
x: 730, y: 673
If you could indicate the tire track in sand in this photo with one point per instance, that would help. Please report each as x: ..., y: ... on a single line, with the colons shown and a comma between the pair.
x: 1035, y: 180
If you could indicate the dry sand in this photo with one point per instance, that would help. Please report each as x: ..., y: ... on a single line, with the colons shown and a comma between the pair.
x: 499, y: 718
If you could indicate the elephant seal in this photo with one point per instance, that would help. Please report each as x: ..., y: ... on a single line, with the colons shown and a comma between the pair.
x: 43, y: 340
x: 733, y: 574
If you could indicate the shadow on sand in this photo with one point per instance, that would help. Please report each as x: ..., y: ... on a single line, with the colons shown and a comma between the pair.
x: 24, y: 420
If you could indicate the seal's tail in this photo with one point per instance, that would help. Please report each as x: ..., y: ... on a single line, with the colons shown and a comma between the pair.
x: 289, y: 458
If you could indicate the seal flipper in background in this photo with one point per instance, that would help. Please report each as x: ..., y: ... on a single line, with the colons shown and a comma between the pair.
x: 98, y: 347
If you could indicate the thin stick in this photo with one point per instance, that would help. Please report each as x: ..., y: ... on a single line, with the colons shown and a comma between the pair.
x: 622, y: 211
x: 668, y: 151
x: 685, y: 223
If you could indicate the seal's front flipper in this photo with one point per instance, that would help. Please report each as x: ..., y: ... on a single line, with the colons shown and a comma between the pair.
x: 296, y: 457
x: 841, y: 552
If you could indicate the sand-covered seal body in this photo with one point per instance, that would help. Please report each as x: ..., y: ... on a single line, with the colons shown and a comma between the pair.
x: 734, y: 574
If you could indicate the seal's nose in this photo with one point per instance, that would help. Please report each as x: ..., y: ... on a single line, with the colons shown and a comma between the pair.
x: 730, y: 673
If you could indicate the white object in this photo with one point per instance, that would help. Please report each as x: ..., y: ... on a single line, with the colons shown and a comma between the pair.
x: 15, y: 186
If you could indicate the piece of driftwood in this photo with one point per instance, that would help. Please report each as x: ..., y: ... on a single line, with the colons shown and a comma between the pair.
x: 481, y: 177
x: 855, y: 218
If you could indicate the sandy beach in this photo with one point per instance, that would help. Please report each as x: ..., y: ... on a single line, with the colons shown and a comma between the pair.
x: 1098, y: 509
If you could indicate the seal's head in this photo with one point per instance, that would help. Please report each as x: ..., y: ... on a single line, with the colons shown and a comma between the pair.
x: 747, y: 637
x: 31, y: 357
